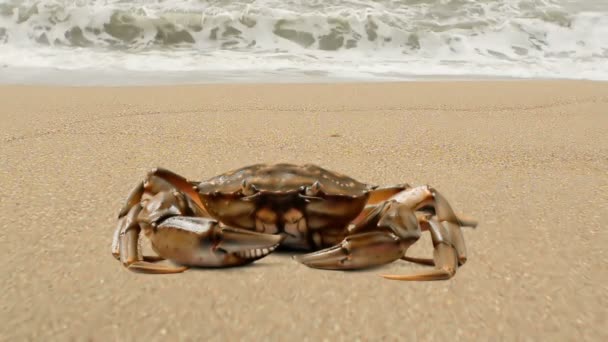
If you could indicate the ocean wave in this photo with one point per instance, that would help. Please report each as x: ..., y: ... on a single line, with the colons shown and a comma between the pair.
x: 542, y: 34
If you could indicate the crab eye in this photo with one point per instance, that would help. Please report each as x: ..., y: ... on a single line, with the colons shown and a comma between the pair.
x: 314, y: 189
x: 247, y: 189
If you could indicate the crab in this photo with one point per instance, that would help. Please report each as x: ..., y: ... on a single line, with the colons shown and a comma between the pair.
x: 241, y: 216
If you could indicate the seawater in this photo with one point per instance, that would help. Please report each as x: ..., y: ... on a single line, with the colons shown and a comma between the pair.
x: 179, y: 41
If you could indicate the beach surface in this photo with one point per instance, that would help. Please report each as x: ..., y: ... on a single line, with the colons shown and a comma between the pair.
x: 528, y: 159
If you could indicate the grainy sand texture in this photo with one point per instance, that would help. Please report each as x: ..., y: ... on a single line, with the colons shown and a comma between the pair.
x: 528, y: 159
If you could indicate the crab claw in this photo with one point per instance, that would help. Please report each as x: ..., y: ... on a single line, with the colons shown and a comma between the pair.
x: 356, y: 252
x: 192, y: 241
x: 202, y: 242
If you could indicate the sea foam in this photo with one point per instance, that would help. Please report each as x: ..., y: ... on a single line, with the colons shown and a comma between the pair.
x: 385, y: 39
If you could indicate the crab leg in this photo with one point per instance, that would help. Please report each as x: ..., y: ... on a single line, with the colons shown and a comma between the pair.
x: 163, y: 193
x: 382, y: 194
x: 421, y: 261
x: 126, y: 243
x: 129, y: 258
x: 377, y: 198
x: 445, y: 257
x: 158, y: 180
x: 133, y: 199
x: 183, y: 185
x: 448, y: 241
x: 457, y: 240
x: 127, y: 215
x: 445, y: 212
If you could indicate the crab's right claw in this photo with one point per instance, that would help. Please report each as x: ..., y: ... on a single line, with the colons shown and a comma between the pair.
x: 203, y: 242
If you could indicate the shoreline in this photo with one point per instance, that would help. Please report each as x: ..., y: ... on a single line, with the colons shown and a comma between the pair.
x: 104, y: 78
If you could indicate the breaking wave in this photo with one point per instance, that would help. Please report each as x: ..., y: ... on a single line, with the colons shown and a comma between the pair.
x: 519, y: 38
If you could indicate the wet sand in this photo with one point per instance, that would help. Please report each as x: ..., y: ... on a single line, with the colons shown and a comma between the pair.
x: 529, y: 160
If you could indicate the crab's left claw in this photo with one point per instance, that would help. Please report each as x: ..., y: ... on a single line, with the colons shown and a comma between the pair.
x: 398, y: 230
x: 356, y: 251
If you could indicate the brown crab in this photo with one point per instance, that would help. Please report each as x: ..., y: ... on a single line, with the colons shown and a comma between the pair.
x: 243, y: 215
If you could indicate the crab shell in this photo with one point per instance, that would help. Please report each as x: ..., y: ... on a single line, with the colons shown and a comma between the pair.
x: 308, y: 204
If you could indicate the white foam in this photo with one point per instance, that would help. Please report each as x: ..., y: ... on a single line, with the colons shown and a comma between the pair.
x: 341, y: 39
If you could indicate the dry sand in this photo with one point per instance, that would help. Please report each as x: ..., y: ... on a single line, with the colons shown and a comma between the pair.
x: 528, y: 159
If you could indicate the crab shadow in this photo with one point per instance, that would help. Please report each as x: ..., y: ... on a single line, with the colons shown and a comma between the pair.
x: 285, y: 256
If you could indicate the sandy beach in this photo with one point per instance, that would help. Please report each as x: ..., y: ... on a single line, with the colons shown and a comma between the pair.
x: 528, y: 159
